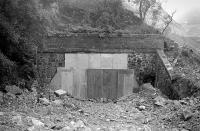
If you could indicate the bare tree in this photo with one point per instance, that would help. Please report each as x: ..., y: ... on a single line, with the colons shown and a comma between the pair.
x: 168, y: 20
x: 144, y: 6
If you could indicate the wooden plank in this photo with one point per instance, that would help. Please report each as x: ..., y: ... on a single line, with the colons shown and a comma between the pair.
x: 128, y: 83
x: 75, y: 83
x: 94, y: 81
x: 98, y: 84
x: 120, y: 86
x: 109, y: 84
x: 90, y: 84
x: 81, y: 84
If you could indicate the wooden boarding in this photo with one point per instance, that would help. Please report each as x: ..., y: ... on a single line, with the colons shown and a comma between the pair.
x: 110, y: 83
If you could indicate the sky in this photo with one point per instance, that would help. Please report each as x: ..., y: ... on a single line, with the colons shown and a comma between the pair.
x: 182, y: 7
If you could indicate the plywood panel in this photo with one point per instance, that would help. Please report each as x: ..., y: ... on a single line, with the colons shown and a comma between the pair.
x: 120, y: 86
x: 82, y: 61
x: 120, y: 61
x: 106, y: 61
x: 128, y: 83
x: 70, y: 61
x: 81, y: 83
x: 94, y: 84
x: 67, y: 81
x: 75, y: 83
x: 94, y: 61
x: 110, y: 84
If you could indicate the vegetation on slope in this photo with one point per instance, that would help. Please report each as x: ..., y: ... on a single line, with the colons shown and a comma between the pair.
x: 18, y: 30
x: 84, y: 16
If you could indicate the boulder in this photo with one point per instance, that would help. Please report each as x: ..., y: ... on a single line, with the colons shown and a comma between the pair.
x: 78, y: 124
x: 187, y: 114
x: 60, y: 93
x: 57, y: 127
x: 44, y: 101
x: 148, y: 89
x: 17, y: 120
x: 159, y: 101
x: 14, y: 90
x: 11, y: 95
x: 141, y: 108
x: 35, y: 122
x: 33, y: 128
x: 67, y: 128
x: 57, y: 102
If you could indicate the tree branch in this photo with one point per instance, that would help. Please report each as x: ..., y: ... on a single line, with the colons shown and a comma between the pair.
x: 168, y: 22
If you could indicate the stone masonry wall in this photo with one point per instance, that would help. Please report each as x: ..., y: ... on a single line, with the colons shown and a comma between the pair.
x: 47, y: 65
x: 164, y: 75
x: 144, y: 65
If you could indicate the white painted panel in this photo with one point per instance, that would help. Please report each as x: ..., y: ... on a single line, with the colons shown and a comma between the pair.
x: 128, y: 84
x: 94, y: 61
x: 82, y: 61
x: 120, y: 61
x: 70, y: 61
x: 67, y: 81
x: 106, y: 61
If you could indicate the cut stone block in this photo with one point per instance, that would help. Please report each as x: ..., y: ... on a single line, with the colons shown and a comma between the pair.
x: 60, y: 93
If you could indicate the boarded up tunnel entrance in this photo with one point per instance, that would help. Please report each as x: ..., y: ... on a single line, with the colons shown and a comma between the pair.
x: 110, y: 83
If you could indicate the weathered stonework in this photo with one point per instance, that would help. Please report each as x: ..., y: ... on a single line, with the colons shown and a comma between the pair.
x: 144, y: 65
x: 47, y: 65
x: 164, y: 74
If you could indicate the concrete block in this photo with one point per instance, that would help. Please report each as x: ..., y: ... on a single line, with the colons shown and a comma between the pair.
x: 60, y: 93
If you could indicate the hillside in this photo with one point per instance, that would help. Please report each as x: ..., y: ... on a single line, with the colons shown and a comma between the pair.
x: 84, y: 15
